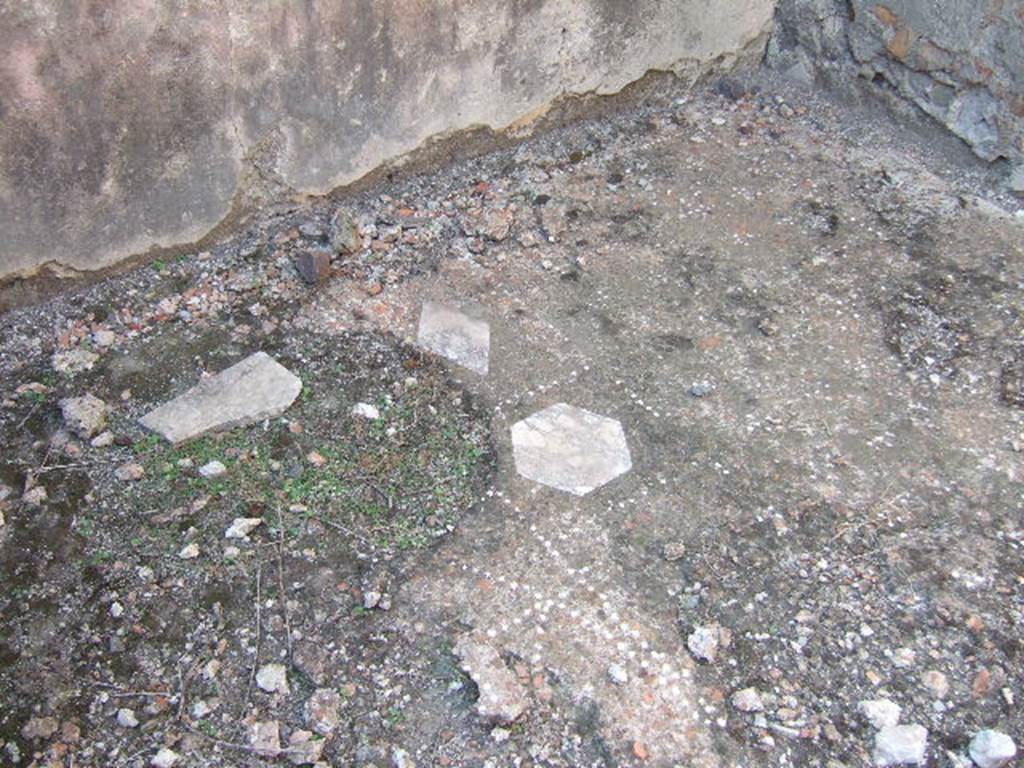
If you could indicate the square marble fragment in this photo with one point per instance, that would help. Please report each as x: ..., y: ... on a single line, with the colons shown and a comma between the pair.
x: 452, y: 334
x: 252, y: 390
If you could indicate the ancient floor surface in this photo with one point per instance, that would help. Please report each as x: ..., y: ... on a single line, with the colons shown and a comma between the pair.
x: 753, y: 387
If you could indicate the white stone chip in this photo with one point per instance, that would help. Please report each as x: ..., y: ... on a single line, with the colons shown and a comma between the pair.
x: 165, y: 758
x: 273, y: 678
x: 881, y: 713
x: 901, y: 745
x: 241, y: 527
x: 570, y: 449
x: 365, y: 410
x: 189, y: 551
x: 257, y: 388
x: 212, y: 469
x: 617, y: 674
x: 126, y: 718
x: 748, y: 700
x: 992, y: 749
x: 456, y: 336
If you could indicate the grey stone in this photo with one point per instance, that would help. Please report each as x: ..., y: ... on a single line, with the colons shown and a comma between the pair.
x: 900, y: 745
x: 617, y: 674
x: 673, y: 551
x: 241, y: 527
x: 130, y: 472
x: 705, y: 642
x: 748, y: 700
x: 304, y: 748
x: 273, y: 678
x: 456, y: 336
x: 1015, y: 182
x: 265, y: 738
x: 40, y: 728
x: 35, y: 496
x: 102, y: 440
x: 701, y: 389
x: 104, y: 337
x: 313, y: 266
x: 936, y: 682
x: 322, y: 711
x: 502, y: 699
x: 257, y: 388
x: 126, y: 718
x: 85, y: 416
x: 881, y: 713
x: 311, y: 230
x: 570, y: 449
x: 973, y: 117
x: 992, y: 749
x: 345, y: 237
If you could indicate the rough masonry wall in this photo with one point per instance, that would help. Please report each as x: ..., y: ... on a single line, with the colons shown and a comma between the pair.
x: 129, y: 124
x: 959, y: 61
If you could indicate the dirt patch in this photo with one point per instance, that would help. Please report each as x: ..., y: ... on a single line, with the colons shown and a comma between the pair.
x: 346, y: 504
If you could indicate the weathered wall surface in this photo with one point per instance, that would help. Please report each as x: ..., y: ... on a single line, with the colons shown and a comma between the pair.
x: 959, y: 61
x: 128, y: 124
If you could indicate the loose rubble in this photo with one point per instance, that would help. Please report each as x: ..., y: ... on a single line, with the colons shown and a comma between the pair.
x: 501, y: 698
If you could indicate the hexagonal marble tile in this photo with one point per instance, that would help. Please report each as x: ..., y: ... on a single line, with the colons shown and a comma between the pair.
x: 455, y: 335
x: 570, y: 449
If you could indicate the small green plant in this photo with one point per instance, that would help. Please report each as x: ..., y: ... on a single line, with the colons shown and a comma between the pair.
x: 208, y: 728
x: 147, y: 444
x: 101, y: 557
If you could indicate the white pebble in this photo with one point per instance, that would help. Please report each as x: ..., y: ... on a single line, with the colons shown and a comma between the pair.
x: 212, y: 469
x: 365, y: 410
x: 901, y: 745
x: 992, y: 749
x: 126, y: 718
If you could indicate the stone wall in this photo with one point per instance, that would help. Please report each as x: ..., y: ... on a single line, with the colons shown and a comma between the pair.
x: 128, y: 125
x: 959, y: 61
